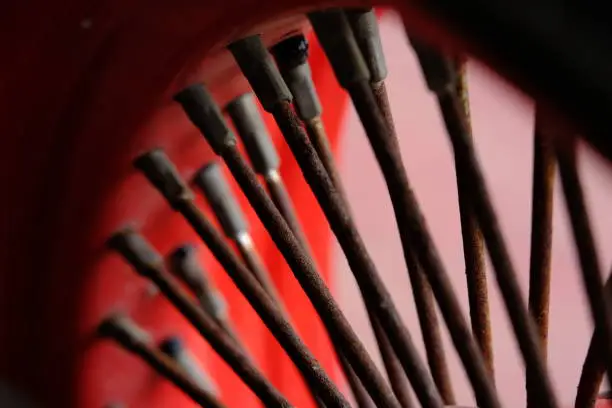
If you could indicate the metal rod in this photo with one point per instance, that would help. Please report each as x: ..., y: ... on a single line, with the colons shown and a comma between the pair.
x: 148, y: 263
x: 522, y: 322
x: 164, y: 176
x: 184, y: 265
x: 353, y: 76
x: 305, y: 271
x: 124, y: 331
x: 440, y: 76
x: 585, y: 243
x: 411, y: 223
x: 174, y: 348
x: 393, y: 367
x: 252, y: 131
x: 351, y: 72
x: 364, y: 27
x: 291, y: 57
x: 251, y: 53
x: 213, y: 184
x: 593, y: 368
x: 541, y: 240
x: 211, y: 181
x: 473, y: 246
x: 362, y: 398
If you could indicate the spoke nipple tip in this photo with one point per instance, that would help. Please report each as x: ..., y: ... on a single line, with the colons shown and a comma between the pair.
x: 164, y: 176
x: 336, y: 37
x: 120, y: 327
x: 252, y: 130
x: 172, y: 346
x: 291, y: 52
x: 291, y: 55
x: 365, y: 28
x: 212, y: 182
x: 136, y: 250
x: 184, y: 264
x: 257, y: 65
x: 204, y: 113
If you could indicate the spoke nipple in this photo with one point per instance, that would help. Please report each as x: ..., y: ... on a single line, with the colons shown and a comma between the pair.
x: 252, y: 131
x: 212, y: 182
x: 136, y: 251
x: 204, y: 113
x: 260, y: 70
x: 164, y: 176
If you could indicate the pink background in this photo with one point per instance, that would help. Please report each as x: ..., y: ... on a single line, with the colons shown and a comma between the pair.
x: 502, y: 122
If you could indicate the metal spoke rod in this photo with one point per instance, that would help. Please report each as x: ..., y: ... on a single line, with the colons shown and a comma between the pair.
x: 243, y: 110
x: 291, y: 57
x: 162, y: 174
x: 257, y: 66
x: 254, y: 134
x: 183, y: 264
x: 352, y: 74
x: 211, y: 181
x: 148, y: 263
x: 252, y: 131
x: 599, y: 299
x: 473, y: 245
x: 541, y: 238
x: 204, y: 113
x: 593, y: 368
x: 441, y: 79
x: 364, y: 27
x: 261, y: 72
x: 174, y: 348
x: 132, y: 338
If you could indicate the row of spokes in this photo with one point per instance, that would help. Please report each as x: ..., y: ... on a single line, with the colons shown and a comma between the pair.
x: 281, y: 81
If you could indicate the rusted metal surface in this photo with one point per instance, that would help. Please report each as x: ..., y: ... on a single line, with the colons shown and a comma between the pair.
x: 291, y: 56
x: 351, y: 71
x: 411, y: 223
x: 440, y: 76
x: 423, y: 298
x: 349, y: 68
x: 145, y: 261
x: 393, y: 367
x: 165, y: 178
x: 599, y: 299
x: 541, y: 240
x: 473, y: 245
x: 254, y: 60
x: 262, y: 153
x: 281, y: 199
x: 305, y: 271
x: 395, y: 373
x: 524, y: 328
x: 318, y: 138
x: 366, y: 32
x: 372, y: 289
x: 211, y: 181
x: 125, y: 332
x: 593, y: 368
x: 362, y: 398
x: 173, y: 347
x: 183, y: 263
